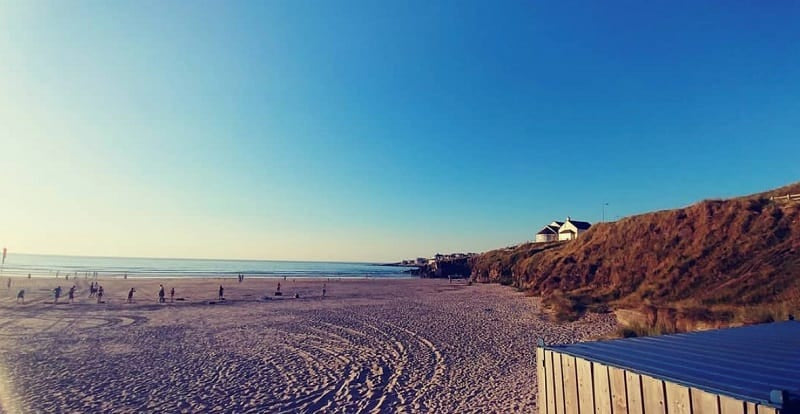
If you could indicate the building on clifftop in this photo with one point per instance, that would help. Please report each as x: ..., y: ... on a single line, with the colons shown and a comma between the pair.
x: 548, y: 233
x: 571, y: 229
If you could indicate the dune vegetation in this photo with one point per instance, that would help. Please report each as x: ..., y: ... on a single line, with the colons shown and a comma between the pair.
x: 714, y: 263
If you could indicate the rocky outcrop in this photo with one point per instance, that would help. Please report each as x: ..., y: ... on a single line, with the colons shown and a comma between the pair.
x: 443, y: 268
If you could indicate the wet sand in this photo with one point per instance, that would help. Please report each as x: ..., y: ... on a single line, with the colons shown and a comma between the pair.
x: 373, y: 345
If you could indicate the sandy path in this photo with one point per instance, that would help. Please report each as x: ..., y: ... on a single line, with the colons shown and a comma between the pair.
x: 371, y: 346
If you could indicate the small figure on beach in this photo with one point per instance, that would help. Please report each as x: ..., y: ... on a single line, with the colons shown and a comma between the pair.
x: 99, y: 294
x: 172, y: 295
x: 29, y: 275
x: 279, y: 287
x: 130, y: 295
x: 21, y: 296
x: 71, y: 294
x: 66, y: 277
x: 323, y: 289
x: 221, y: 293
x: 160, y: 293
x: 9, y: 283
x: 57, y: 294
x: 92, y: 289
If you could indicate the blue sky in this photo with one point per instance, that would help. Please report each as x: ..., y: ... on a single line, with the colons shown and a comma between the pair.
x: 362, y: 130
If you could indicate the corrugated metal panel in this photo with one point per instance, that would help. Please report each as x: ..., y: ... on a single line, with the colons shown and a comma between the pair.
x: 747, y: 363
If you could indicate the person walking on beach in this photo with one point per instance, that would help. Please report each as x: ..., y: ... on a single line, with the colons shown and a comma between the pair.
x: 172, y: 295
x: 99, y: 294
x: 71, y: 294
x: 57, y: 294
x: 130, y: 295
x: 9, y: 283
x: 323, y: 290
x: 221, y: 293
x: 21, y: 296
x: 160, y: 293
x: 91, y: 290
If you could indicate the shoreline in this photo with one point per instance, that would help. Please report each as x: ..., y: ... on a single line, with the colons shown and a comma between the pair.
x: 188, y: 276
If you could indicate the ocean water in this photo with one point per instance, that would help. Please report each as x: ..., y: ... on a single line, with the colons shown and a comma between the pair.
x: 49, y: 265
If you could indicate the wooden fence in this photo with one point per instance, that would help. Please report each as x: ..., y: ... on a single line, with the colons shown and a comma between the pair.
x: 571, y: 385
x: 787, y: 197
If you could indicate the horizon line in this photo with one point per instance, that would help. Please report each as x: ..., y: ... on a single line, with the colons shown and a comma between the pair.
x: 204, y: 258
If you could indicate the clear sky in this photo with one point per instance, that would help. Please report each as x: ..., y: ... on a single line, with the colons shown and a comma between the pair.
x: 374, y: 131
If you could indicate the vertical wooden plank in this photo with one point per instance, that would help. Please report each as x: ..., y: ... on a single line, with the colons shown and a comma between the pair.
x: 653, y: 393
x: 602, y: 390
x: 763, y: 409
x: 728, y: 405
x: 559, y: 382
x: 633, y: 384
x: 551, y: 388
x: 678, y: 399
x: 585, y: 386
x: 541, y: 375
x: 570, y: 384
x: 704, y: 402
x: 619, y: 392
x: 750, y: 408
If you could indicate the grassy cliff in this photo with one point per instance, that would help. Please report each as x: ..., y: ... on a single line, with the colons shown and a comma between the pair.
x: 717, y: 262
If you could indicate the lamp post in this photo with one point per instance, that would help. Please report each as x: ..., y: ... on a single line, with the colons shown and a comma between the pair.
x: 603, y: 216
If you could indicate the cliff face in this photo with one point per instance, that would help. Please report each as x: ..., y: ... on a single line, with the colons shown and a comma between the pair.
x: 444, y: 268
x: 698, y: 262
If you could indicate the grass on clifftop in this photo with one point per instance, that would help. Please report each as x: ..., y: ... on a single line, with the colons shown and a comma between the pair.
x: 714, y: 263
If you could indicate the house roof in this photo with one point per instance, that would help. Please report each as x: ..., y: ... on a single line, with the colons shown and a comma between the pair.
x: 581, y: 225
x: 548, y: 230
x: 747, y: 363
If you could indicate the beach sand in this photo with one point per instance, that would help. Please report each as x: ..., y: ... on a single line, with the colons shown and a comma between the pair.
x: 375, y: 345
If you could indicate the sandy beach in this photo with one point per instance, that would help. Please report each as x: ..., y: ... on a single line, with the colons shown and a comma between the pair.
x: 375, y: 345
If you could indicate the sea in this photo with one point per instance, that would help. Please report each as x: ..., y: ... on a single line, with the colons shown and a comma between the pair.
x: 39, y: 265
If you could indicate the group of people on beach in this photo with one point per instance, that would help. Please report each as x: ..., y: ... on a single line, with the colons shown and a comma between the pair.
x: 56, y: 294
x: 162, y: 293
x: 95, y: 290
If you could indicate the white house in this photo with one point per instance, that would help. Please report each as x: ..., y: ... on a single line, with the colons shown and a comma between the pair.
x: 548, y: 233
x: 571, y: 229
